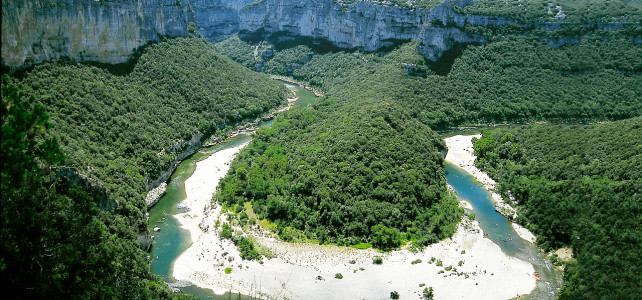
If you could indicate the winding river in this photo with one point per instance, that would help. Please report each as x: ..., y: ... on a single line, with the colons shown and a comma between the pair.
x: 502, y: 233
x: 172, y: 240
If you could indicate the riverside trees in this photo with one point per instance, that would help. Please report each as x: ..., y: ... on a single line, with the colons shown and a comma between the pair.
x: 121, y: 131
x: 577, y: 186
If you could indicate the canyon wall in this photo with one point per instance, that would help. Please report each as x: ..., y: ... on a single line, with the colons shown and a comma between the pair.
x: 102, y: 31
x: 108, y: 31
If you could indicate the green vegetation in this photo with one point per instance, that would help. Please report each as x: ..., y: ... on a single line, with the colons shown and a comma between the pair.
x: 575, y: 11
x: 237, y: 50
x: 377, y: 260
x: 122, y: 132
x: 56, y: 241
x: 523, y: 80
x: 394, y: 295
x: 416, y: 261
x: 338, y: 276
x: 346, y: 174
x: 428, y: 293
x: 286, y: 61
x: 577, y: 186
x: 228, y: 270
x: 248, y: 250
x: 126, y: 130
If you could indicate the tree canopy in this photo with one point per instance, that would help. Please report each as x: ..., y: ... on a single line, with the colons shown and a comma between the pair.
x: 577, y: 186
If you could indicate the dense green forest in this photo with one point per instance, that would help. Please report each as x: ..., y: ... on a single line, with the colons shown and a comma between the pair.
x: 346, y: 172
x: 574, y: 11
x: 513, y: 78
x: 121, y: 131
x: 534, y: 10
x: 577, y: 186
x: 516, y: 77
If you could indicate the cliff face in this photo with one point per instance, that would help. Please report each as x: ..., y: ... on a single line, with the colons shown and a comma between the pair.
x: 369, y: 26
x: 108, y: 31
x: 365, y: 25
x: 216, y: 18
x: 103, y: 31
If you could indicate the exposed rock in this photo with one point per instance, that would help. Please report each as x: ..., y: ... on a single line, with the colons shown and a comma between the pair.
x: 101, y: 31
x: 110, y: 31
x: 70, y: 177
x: 155, y: 194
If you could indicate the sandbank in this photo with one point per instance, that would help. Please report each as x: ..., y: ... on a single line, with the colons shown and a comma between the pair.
x: 307, y: 271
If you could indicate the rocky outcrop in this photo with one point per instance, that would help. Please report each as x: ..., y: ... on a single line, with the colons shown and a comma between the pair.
x: 109, y: 31
x: 70, y: 177
x: 101, y: 31
x: 365, y: 25
x: 216, y: 18
x: 156, y: 188
x: 370, y: 26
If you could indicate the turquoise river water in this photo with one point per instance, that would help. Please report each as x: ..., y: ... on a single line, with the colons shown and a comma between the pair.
x: 172, y: 240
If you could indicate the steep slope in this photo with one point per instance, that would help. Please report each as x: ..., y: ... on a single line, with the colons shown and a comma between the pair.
x: 128, y: 132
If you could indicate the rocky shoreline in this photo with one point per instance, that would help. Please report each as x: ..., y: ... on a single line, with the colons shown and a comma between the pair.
x: 292, y: 81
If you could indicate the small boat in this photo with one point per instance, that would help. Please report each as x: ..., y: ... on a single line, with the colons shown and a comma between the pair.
x: 161, y: 221
x: 156, y: 228
x: 536, y: 276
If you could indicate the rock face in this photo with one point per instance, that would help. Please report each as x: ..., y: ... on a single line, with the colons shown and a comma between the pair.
x: 216, y: 18
x: 369, y: 26
x: 108, y: 31
x: 82, y: 30
x: 365, y: 25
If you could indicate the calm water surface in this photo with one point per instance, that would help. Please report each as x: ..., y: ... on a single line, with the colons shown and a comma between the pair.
x: 500, y: 231
x: 172, y: 240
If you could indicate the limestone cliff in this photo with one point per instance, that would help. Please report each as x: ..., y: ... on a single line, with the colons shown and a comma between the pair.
x: 370, y: 26
x: 365, y: 25
x: 85, y: 30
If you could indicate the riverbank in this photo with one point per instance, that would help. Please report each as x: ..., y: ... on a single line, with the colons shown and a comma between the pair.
x: 158, y: 189
x: 307, y: 271
x: 461, y: 153
x: 292, y: 81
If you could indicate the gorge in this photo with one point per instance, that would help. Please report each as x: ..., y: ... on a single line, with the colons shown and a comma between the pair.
x: 108, y: 106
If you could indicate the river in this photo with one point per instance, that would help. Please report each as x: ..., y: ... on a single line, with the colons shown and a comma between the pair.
x: 502, y: 233
x: 171, y: 241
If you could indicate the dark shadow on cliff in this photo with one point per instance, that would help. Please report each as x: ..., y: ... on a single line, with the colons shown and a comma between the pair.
x: 285, y: 40
x: 444, y: 64
x: 121, y: 69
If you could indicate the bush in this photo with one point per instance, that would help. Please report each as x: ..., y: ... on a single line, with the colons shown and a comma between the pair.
x: 377, y: 260
x: 394, y: 295
x: 338, y: 276
x: 228, y: 270
x: 416, y: 261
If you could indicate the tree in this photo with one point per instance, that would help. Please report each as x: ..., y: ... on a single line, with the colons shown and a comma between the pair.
x: 385, y: 238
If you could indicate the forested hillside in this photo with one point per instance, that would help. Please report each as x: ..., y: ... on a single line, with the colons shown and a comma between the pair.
x: 122, y: 131
x: 513, y: 78
x: 577, y: 186
x: 349, y: 171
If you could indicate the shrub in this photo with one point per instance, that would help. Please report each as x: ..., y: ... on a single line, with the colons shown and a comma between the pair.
x: 228, y: 270
x: 377, y: 260
x: 338, y: 276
